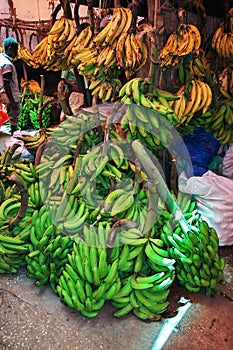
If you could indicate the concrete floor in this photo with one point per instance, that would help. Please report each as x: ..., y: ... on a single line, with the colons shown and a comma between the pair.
x: 33, y: 318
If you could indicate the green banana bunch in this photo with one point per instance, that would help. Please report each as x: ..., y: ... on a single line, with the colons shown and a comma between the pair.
x: 12, y: 252
x: 219, y: 121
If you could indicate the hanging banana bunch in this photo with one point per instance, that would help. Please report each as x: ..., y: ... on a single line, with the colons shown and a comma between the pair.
x: 225, y: 82
x: 182, y: 42
x: 59, y: 47
x: 114, y: 50
x: 193, y: 97
x: 199, y: 65
x: 222, y: 41
x: 25, y: 55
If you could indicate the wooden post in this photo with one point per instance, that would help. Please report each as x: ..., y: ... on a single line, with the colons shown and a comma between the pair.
x: 151, y: 11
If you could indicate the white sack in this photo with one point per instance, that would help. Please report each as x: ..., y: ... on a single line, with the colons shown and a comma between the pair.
x: 227, y: 163
x: 214, y: 196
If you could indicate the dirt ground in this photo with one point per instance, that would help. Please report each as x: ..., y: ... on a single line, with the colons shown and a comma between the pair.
x: 33, y: 318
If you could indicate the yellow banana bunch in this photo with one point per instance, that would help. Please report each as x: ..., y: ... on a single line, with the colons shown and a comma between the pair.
x: 25, y: 55
x: 195, y: 96
x: 58, y: 48
x: 120, y: 22
x: 222, y: 42
x: 131, y: 53
x: 225, y: 80
x: 181, y: 42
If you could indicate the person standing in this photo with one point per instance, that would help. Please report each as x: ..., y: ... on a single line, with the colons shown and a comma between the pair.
x: 9, y: 85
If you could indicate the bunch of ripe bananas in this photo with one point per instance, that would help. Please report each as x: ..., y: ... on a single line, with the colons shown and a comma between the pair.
x: 56, y: 50
x: 25, y: 54
x: 115, y: 49
x: 219, y: 121
x: 131, y: 53
x: 225, y: 82
x: 222, y: 40
x: 193, y: 97
x: 182, y: 42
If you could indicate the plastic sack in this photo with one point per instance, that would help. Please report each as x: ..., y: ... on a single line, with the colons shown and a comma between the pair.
x: 214, y: 197
x: 227, y: 163
x: 76, y: 101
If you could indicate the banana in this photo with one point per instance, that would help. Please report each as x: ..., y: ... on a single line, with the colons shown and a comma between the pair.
x: 209, y: 98
x: 124, y: 310
x: 122, y: 204
x: 191, y: 100
x: 157, y: 259
x: 197, y: 35
x: 120, y: 49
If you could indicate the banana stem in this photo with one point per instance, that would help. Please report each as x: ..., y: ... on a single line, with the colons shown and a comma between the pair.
x: 154, y: 175
x: 152, y: 211
x: 22, y: 188
x: 153, y: 66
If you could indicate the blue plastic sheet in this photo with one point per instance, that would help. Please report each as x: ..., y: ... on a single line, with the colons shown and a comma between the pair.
x: 202, y: 147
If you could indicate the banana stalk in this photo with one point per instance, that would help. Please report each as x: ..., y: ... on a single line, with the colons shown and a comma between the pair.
x: 154, y: 175
x: 153, y: 64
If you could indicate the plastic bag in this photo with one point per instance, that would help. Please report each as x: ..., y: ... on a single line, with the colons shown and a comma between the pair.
x: 214, y: 196
x: 21, y: 150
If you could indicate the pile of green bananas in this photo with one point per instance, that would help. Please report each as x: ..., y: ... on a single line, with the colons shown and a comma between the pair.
x: 12, y: 252
x: 91, y: 230
x: 30, y: 107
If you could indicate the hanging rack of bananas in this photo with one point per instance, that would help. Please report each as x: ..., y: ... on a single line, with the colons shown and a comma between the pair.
x: 182, y: 42
x: 222, y: 40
